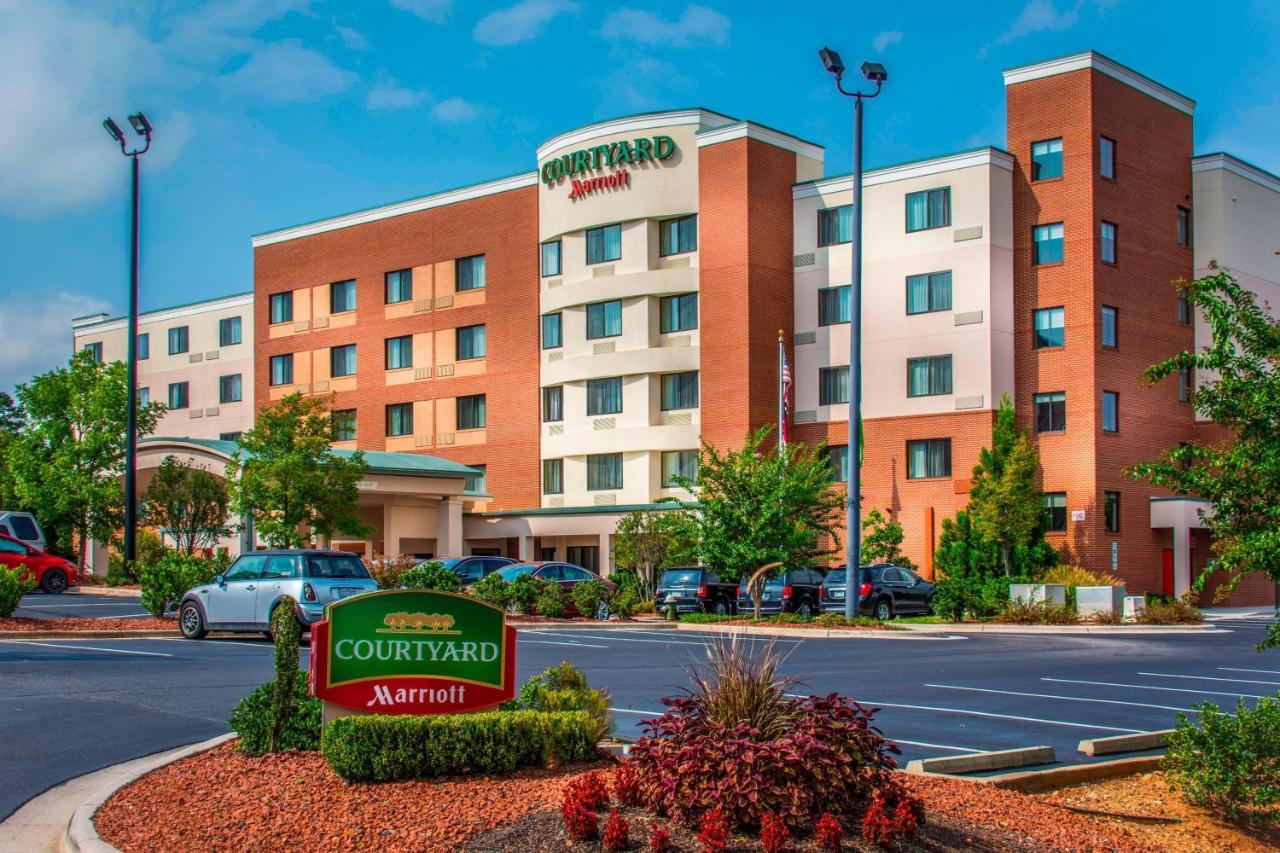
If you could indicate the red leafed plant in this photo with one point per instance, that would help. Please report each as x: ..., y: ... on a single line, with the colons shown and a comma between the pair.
x: 659, y: 839
x: 892, y: 815
x: 626, y: 787
x: 713, y: 833
x: 773, y: 833
x: 590, y: 790
x: 579, y: 821
x: 616, y: 833
x: 829, y: 834
x: 580, y: 804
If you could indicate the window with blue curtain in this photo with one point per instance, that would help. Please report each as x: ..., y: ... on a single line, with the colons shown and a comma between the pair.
x: 1109, y: 317
x: 177, y: 340
x: 1046, y: 243
x: 833, y: 385
x: 343, y: 423
x: 678, y: 465
x: 144, y: 396
x: 929, y: 376
x: 680, y: 391
x: 229, y: 388
x: 342, y: 360
x: 837, y: 456
x: 400, y: 419
x: 604, y: 396
x: 477, y: 483
x: 342, y: 297
x: 833, y: 305
x: 95, y: 350
x: 400, y: 352
x: 1107, y: 157
x: 678, y: 313
x: 1051, y: 411
x: 835, y: 225
x: 604, y: 319
x: 929, y: 292
x: 179, y: 395
x: 228, y: 331
x: 1046, y: 159
x: 551, y: 331
x: 399, y: 286
x: 553, y: 476
x: 553, y: 404
x: 1110, y: 411
x: 604, y: 244
x: 281, y: 307
x: 281, y: 369
x: 470, y: 342
x: 929, y: 209
x: 144, y: 346
x: 469, y: 273
x: 1050, y: 327
x: 677, y: 236
x: 551, y: 258
x: 604, y: 471
x: 471, y: 414
x: 930, y: 457
x: 1107, y: 241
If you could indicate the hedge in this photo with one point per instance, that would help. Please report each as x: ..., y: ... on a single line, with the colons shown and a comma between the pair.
x: 389, y: 748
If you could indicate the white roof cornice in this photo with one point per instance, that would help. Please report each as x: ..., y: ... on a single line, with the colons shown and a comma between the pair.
x: 177, y: 312
x: 751, y: 130
x: 1103, y: 65
x: 1220, y: 160
x: 993, y: 157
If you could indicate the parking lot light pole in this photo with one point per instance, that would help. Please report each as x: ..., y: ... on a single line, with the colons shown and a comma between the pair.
x: 143, y: 128
x: 875, y: 72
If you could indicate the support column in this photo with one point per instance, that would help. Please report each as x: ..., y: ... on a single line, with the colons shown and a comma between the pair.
x: 526, y: 549
x: 606, y: 556
x: 449, y: 527
x: 1181, y: 559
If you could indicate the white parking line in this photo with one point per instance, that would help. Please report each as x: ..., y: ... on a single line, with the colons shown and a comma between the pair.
x: 1208, y: 678
x: 95, y: 604
x: 1150, y: 687
x: 554, y: 643
x: 965, y: 712
x: 89, y: 648
x: 1062, y: 698
x: 1242, y: 669
x: 577, y: 634
x: 935, y: 745
x: 633, y: 711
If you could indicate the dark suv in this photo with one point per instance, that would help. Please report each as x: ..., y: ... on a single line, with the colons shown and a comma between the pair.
x: 885, y: 591
x: 697, y: 590
x: 794, y: 591
x: 472, y: 569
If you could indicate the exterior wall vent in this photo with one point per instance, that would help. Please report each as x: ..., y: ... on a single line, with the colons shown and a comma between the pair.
x: 806, y: 338
x: 681, y: 263
x: 444, y: 438
x: 195, y: 358
x: 558, y: 355
x: 806, y: 416
x: 444, y: 370
x: 422, y: 373
x: 677, y: 341
x: 554, y: 283
x: 974, y: 402
x: 602, y: 272
x: 421, y: 305
x: 322, y: 386
x: 422, y: 441
x: 973, y: 232
x: 555, y: 502
x: 302, y: 325
x: 601, y: 347
x: 968, y: 318
x: 607, y: 500
x: 211, y: 411
x: 444, y: 302
x: 212, y: 355
x: 679, y: 418
x: 604, y: 423
x: 197, y: 413
x: 807, y: 259
x: 321, y: 323
x: 555, y: 429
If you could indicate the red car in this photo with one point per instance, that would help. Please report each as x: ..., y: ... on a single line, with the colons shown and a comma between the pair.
x: 565, y: 574
x: 54, y: 574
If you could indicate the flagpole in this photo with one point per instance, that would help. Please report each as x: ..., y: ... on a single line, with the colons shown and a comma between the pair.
x: 782, y: 443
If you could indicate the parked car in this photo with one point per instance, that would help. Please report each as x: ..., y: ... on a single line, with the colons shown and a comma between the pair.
x: 23, y: 527
x: 53, y: 574
x: 796, y: 591
x: 244, y: 596
x: 472, y: 569
x: 565, y: 574
x: 885, y: 591
x: 697, y: 590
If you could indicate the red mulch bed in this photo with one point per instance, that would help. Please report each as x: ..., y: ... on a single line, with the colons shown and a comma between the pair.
x: 224, y: 800
x: 141, y: 623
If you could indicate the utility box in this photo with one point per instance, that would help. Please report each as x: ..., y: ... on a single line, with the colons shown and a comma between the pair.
x: 1099, y: 599
x: 1134, y: 606
x: 1048, y: 594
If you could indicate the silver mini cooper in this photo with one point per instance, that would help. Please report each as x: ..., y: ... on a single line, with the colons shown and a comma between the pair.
x: 244, y: 597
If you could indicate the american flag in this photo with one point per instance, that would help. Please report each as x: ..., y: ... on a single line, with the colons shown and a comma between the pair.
x: 784, y: 391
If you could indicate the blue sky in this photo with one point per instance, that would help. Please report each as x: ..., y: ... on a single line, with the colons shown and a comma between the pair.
x: 274, y: 112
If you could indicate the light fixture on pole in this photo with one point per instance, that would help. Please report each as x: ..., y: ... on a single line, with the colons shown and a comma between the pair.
x: 876, y: 73
x: 143, y: 128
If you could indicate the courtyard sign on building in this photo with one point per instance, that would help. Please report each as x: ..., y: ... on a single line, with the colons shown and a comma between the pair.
x: 613, y: 155
x: 413, y: 652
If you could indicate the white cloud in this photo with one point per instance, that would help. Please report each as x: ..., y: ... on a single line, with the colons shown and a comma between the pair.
x: 37, y: 333
x: 1044, y: 16
x: 697, y: 25
x: 521, y: 22
x: 353, y: 38
x: 454, y: 110
x: 387, y: 95
x: 284, y: 72
x: 882, y: 41
x: 435, y: 11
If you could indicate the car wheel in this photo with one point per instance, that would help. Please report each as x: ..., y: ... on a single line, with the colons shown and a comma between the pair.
x: 54, y: 581
x: 602, y: 612
x: 191, y: 621
x: 884, y: 610
x: 804, y: 609
x: 721, y: 608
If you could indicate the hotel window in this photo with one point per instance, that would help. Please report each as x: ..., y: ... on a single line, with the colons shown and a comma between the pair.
x: 471, y: 414
x: 1184, y: 308
x: 929, y: 292
x: 1110, y: 316
x: 229, y: 388
x: 144, y: 396
x: 677, y: 236
x: 179, y: 395
x: 178, y: 342
x: 144, y: 346
x: 342, y: 360
x: 1186, y: 383
x: 400, y: 419
x: 95, y: 351
x: 929, y: 376
x: 552, y: 404
x: 604, y: 471
x: 230, y: 436
x: 1107, y: 239
x: 604, y: 396
x: 835, y: 225
x: 1046, y: 159
x: 1051, y: 411
x: 477, y: 483
x: 399, y: 286
x: 1055, y: 511
x: 399, y: 352
x: 551, y: 331
x: 470, y: 342
x: 1111, y: 511
x: 470, y: 273
x: 553, y: 476
x: 1107, y: 157
x: 604, y: 319
x: 838, y: 462
x: 1184, y: 226
x: 833, y: 385
x: 281, y: 308
x: 680, y: 391
x: 1050, y: 327
x: 678, y: 313
x: 604, y: 244
x: 342, y: 297
x: 1110, y: 411
x: 343, y: 423
x: 1047, y: 244
x: 281, y: 369
x: 833, y: 305
x: 228, y: 331
x: 929, y: 209
x: 927, y: 458
x: 551, y: 258
x: 678, y: 465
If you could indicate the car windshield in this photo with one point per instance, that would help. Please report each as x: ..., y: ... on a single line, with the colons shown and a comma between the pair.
x: 771, y: 582
x: 510, y: 573
x: 680, y: 577
x: 325, y: 566
x: 837, y: 577
x: 447, y: 562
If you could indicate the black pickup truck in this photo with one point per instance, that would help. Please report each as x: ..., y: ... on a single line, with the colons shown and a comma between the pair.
x: 696, y: 590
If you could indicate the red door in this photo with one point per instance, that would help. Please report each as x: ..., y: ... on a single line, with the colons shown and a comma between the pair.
x: 1166, y: 565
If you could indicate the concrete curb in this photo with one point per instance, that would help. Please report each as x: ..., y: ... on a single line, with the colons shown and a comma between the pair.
x: 1114, y: 630
x: 979, y: 761
x: 82, y: 836
x: 1034, y: 781
x: 589, y: 626
x: 85, y: 635
x: 1125, y: 743
x: 814, y: 633
x: 116, y: 591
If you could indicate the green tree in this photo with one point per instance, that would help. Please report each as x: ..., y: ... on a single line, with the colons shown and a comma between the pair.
x: 187, y: 502
x: 756, y: 507
x: 287, y: 478
x: 882, y: 541
x: 68, y: 459
x: 648, y: 541
x: 10, y: 427
x: 962, y: 551
x: 1005, y: 505
x: 1240, y: 476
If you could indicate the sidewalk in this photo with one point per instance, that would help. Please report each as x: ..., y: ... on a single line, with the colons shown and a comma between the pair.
x: 117, y: 591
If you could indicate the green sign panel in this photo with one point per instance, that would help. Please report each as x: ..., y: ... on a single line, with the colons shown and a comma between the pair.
x: 607, y: 155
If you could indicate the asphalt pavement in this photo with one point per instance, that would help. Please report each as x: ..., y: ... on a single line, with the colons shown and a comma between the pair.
x: 68, y: 707
x: 79, y: 605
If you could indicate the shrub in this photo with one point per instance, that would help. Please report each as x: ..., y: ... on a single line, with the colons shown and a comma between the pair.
x: 773, y: 833
x: 564, y: 688
x: 1037, y: 613
x: 1074, y: 576
x: 551, y: 602
x: 892, y: 815
x: 706, y: 618
x: 1229, y: 764
x: 1160, y: 610
x: 493, y: 589
x: 149, y: 549
x: 829, y: 834
x: 713, y: 831
x: 431, y: 575
x: 588, y: 789
x: 252, y: 719
x: 14, y: 584
x: 976, y: 597
x: 839, y: 620
x: 388, y: 571
x: 165, y: 582
x: 625, y: 602
x: 616, y: 833
x: 625, y: 784
x: 525, y: 590
x: 378, y: 748
x: 579, y: 821
x: 659, y: 839
x: 588, y: 595
x: 285, y: 633
x: 580, y: 803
